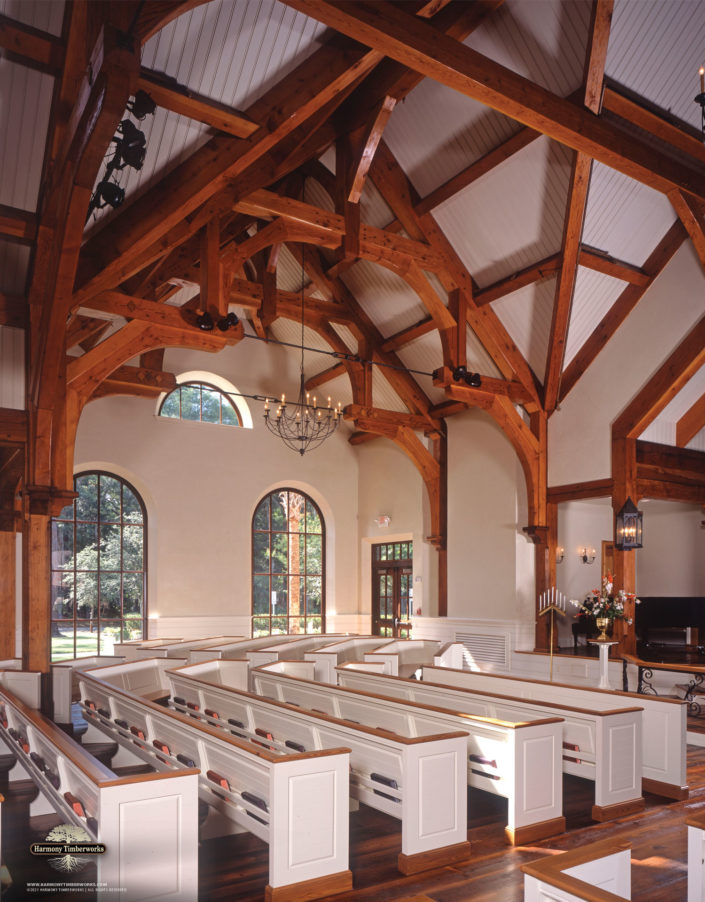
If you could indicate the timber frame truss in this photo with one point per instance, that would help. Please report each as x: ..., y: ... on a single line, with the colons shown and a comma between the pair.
x: 220, y: 219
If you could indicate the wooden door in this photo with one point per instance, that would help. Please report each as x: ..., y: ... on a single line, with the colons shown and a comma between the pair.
x: 392, y: 590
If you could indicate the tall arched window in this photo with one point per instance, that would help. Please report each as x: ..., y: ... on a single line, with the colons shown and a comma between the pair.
x: 98, y: 564
x: 288, y: 565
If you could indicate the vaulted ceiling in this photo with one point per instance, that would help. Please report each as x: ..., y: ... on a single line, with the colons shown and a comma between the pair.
x: 491, y: 184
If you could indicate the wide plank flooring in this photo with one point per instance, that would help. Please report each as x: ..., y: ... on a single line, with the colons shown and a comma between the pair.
x: 235, y: 868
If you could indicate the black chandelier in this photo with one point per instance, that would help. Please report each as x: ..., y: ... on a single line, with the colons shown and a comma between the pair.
x: 302, y: 425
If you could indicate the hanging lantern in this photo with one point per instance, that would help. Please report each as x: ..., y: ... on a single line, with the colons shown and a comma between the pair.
x: 628, y: 527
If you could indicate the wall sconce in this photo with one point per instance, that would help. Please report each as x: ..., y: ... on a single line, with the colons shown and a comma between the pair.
x: 560, y: 554
x: 628, y: 527
x: 587, y: 555
x: 383, y: 520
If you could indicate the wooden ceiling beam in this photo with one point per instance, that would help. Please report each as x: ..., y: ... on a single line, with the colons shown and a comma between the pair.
x: 129, y: 377
x: 621, y: 308
x: 537, y: 272
x: 31, y: 46
x: 13, y: 425
x: 387, y: 418
x: 82, y: 328
x: 20, y: 225
x: 476, y: 170
x: 325, y: 376
x: 677, y: 461
x: 618, y: 269
x: 413, y: 42
x: 316, y: 82
x: 406, y: 336
x: 366, y: 141
x: 515, y: 391
x: 690, y: 214
x: 664, y: 385
x: 692, y: 421
x: 14, y: 311
x: 565, y: 286
x: 170, y: 95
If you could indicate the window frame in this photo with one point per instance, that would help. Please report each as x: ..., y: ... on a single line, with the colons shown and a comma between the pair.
x: 201, y: 384
x: 305, y: 616
x: 101, y: 622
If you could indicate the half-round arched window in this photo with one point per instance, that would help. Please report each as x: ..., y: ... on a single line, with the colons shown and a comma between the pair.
x: 200, y: 402
x: 98, y: 568
x: 288, y: 565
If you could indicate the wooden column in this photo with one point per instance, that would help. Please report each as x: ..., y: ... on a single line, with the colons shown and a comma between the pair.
x: 7, y: 594
x: 36, y: 596
x: 624, y: 486
x: 440, y: 453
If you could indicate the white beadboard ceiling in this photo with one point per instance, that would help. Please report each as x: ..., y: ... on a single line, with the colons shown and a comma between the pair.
x: 233, y: 51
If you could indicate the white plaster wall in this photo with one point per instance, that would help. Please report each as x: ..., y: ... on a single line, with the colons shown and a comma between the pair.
x: 390, y: 484
x: 579, y: 434
x: 202, y: 483
x: 490, y: 562
x: 12, y: 367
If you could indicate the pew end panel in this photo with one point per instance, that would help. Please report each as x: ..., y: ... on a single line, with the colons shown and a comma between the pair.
x: 696, y: 857
x: 65, y: 689
x: 598, y: 872
x: 25, y: 685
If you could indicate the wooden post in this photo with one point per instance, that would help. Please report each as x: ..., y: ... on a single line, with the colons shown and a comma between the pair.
x: 624, y: 485
x: 36, y: 597
x: 7, y: 594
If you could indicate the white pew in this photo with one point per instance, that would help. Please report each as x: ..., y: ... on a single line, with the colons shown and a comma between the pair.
x: 237, y: 650
x: 148, y: 823
x: 403, y: 657
x: 295, y: 802
x: 696, y: 857
x: 598, y: 872
x: 291, y: 649
x: 64, y: 685
x: 328, y: 657
x: 23, y: 684
x: 417, y: 778
x: 601, y: 743
x: 664, y: 720
x: 11, y: 664
x: 178, y: 649
x: 128, y: 649
x: 145, y: 678
x: 518, y: 761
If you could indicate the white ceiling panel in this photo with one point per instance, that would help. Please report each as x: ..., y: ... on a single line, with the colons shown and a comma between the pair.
x: 593, y: 296
x: 385, y: 297
x: 624, y: 218
x: 656, y: 48
x: 383, y: 395
x: 527, y: 315
x: 513, y: 216
x: 46, y: 15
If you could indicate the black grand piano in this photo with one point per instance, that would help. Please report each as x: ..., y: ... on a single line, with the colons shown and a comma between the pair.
x: 662, y: 622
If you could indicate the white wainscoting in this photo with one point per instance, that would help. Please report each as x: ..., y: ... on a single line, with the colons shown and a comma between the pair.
x: 489, y: 644
x: 199, y: 626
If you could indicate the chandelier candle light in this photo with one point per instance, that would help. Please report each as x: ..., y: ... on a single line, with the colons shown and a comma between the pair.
x: 300, y: 424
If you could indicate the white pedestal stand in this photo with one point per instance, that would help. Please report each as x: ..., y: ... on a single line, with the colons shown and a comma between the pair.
x: 604, y: 645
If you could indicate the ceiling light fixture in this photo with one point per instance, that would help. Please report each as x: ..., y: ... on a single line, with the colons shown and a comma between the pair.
x: 461, y: 374
x: 300, y: 424
x: 700, y: 98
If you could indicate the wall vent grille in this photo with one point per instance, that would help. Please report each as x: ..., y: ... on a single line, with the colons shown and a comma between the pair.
x: 487, y: 649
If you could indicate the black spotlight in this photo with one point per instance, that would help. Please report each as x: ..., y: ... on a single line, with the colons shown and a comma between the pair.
x: 130, y: 150
x: 142, y: 105
x: 459, y: 373
x: 106, y: 194
x: 205, y: 322
x: 473, y: 380
x: 228, y: 322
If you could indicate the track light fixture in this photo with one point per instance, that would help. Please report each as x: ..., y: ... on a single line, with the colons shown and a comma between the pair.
x: 205, y: 322
x: 130, y: 150
x: 461, y: 374
x: 228, y: 322
x: 141, y: 106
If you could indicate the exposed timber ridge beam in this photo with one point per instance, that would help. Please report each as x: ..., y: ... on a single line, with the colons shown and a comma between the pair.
x: 31, y: 46
x: 621, y: 308
x: 410, y: 40
x: 595, y: 488
x: 20, y: 225
x: 170, y: 95
x: 591, y: 258
x: 537, y: 272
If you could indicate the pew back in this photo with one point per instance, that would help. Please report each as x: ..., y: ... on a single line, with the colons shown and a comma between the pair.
x: 24, y: 684
x: 403, y: 656
x: 291, y: 649
x: 664, y: 720
x: 65, y: 689
x: 128, y: 649
x: 599, y: 871
x: 327, y: 658
x: 178, y: 649
x: 236, y: 650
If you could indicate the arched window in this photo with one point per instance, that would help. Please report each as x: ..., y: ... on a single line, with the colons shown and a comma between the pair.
x: 200, y: 402
x: 288, y: 565
x: 98, y: 568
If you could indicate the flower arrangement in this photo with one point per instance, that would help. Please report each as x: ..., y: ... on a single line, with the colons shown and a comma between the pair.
x: 605, y: 602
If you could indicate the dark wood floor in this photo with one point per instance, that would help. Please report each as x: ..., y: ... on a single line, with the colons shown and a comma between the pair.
x: 235, y: 868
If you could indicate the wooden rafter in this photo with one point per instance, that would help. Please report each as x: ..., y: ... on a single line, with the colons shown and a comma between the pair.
x: 690, y: 214
x: 31, y: 46
x: 692, y: 421
x: 537, y: 272
x: 20, y: 225
x: 406, y: 336
x: 621, y: 308
x: 664, y: 385
x: 413, y: 42
x: 618, y: 269
x: 366, y: 142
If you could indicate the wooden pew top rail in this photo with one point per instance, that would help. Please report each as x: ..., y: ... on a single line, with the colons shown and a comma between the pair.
x: 552, y: 870
x: 260, y: 752
x: 504, y: 724
x: 98, y: 773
